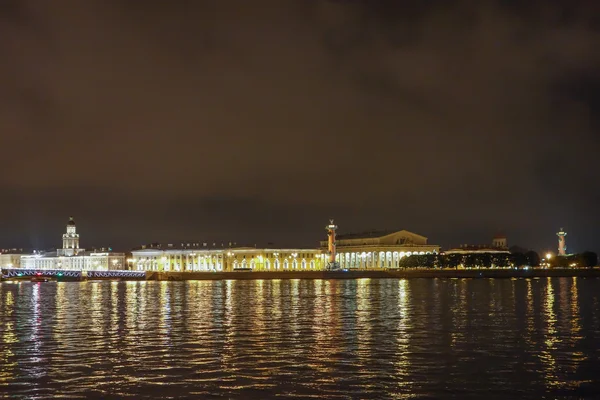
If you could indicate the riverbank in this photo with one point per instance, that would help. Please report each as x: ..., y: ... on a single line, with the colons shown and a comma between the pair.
x: 372, y: 274
x: 399, y: 274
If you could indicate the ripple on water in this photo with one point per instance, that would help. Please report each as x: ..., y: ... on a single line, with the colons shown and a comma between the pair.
x: 422, y: 338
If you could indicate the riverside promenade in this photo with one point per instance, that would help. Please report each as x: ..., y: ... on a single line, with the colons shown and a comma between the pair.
x: 377, y: 274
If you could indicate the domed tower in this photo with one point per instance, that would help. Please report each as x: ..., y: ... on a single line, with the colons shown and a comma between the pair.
x: 499, y: 241
x: 71, y: 239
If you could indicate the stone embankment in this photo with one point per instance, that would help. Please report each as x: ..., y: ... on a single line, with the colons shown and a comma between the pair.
x: 396, y: 274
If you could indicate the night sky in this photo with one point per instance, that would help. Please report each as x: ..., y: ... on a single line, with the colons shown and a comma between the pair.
x: 257, y: 121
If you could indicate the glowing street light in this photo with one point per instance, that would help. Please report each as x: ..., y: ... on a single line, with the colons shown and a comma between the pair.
x: 548, y: 256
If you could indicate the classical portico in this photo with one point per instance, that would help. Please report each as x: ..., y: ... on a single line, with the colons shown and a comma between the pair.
x: 377, y: 249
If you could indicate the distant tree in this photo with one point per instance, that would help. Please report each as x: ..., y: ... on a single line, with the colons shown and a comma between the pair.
x: 517, y: 249
x: 518, y: 259
x: 411, y: 261
x: 430, y: 260
x: 501, y: 260
x: 451, y: 260
x: 475, y: 260
x: 589, y: 259
x: 533, y: 258
x: 563, y: 261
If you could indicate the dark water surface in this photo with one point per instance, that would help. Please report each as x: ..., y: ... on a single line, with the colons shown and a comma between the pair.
x: 354, y: 339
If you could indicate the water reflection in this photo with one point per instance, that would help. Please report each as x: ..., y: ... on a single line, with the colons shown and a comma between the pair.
x: 550, y: 337
x: 300, y: 338
x: 402, y: 362
x: 9, y: 339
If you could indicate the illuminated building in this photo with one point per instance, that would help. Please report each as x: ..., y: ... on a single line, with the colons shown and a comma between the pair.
x: 195, y: 259
x: 499, y: 246
x: 562, y: 242
x: 10, y: 258
x: 363, y: 251
x: 72, y: 257
x: 377, y: 249
x: 70, y: 240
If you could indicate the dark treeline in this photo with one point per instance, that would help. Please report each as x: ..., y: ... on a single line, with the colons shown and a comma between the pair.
x: 585, y: 259
x: 492, y: 260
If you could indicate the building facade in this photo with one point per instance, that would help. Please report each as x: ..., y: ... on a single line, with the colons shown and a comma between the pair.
x: 10, y: 258
x: 72, y: 257
x: 168, y: 258
x: 499, y: 246
x: 371, y: 250
x: 379, y: 250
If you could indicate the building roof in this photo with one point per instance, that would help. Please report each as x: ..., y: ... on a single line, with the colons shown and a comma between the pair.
x: 189, y: 246
x: 71, y: 222
x: 368, y: 234
x: 377, y: 235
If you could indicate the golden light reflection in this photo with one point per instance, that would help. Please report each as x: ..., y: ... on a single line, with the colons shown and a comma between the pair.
x: 551, y: 338
x: 114, y: 311
x: 164, y: 325
x: 34, y: 353
x: 575, y: 315
x: 458, y: 311
x: 436, y: 311
x: 226, y: 356
x: 575, y: 332
x: 276, y: 300
x: 402, y: 362
x: 141, y: 300
x: 9, y: 339
x: 295, y: 309
x: 513, y: 296
x: 96, y: 306
x: 325, y: 325
x: 202, y: 297
x: 363, y: 318
x: 529, y: 315
x: 132, y: 304
x: 260, y: 317
x: 35, y: 297
x: 492, y: 294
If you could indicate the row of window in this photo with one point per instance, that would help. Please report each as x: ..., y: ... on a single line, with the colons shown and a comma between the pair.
x: 276, y: 264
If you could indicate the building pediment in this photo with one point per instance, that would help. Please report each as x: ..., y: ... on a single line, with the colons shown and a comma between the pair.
x: 403, y: 237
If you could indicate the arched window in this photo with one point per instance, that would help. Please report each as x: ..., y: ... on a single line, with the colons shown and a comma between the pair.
x: 285, y: 264
x: 267, y: 265
x: 295, y: 264
x: 244, y: 263
x: 312, y: 264
x: 252, y: 264
x: 276, y: 264
x: 303, y: 264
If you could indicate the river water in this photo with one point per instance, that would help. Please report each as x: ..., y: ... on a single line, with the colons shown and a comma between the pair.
x: 325, y: 339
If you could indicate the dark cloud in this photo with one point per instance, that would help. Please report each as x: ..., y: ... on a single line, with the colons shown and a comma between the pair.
x: 452, y: 119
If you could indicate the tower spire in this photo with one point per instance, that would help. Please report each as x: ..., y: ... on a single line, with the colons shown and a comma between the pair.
x: 331, y: 246
x: 71, y: 238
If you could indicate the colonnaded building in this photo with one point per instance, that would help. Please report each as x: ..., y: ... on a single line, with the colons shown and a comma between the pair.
x: 72, y: 257
x: 370, y: 250
x: 193, y: 257
x: 379, y: 249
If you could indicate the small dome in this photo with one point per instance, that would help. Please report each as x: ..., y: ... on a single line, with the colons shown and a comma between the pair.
x: 71, y: 222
